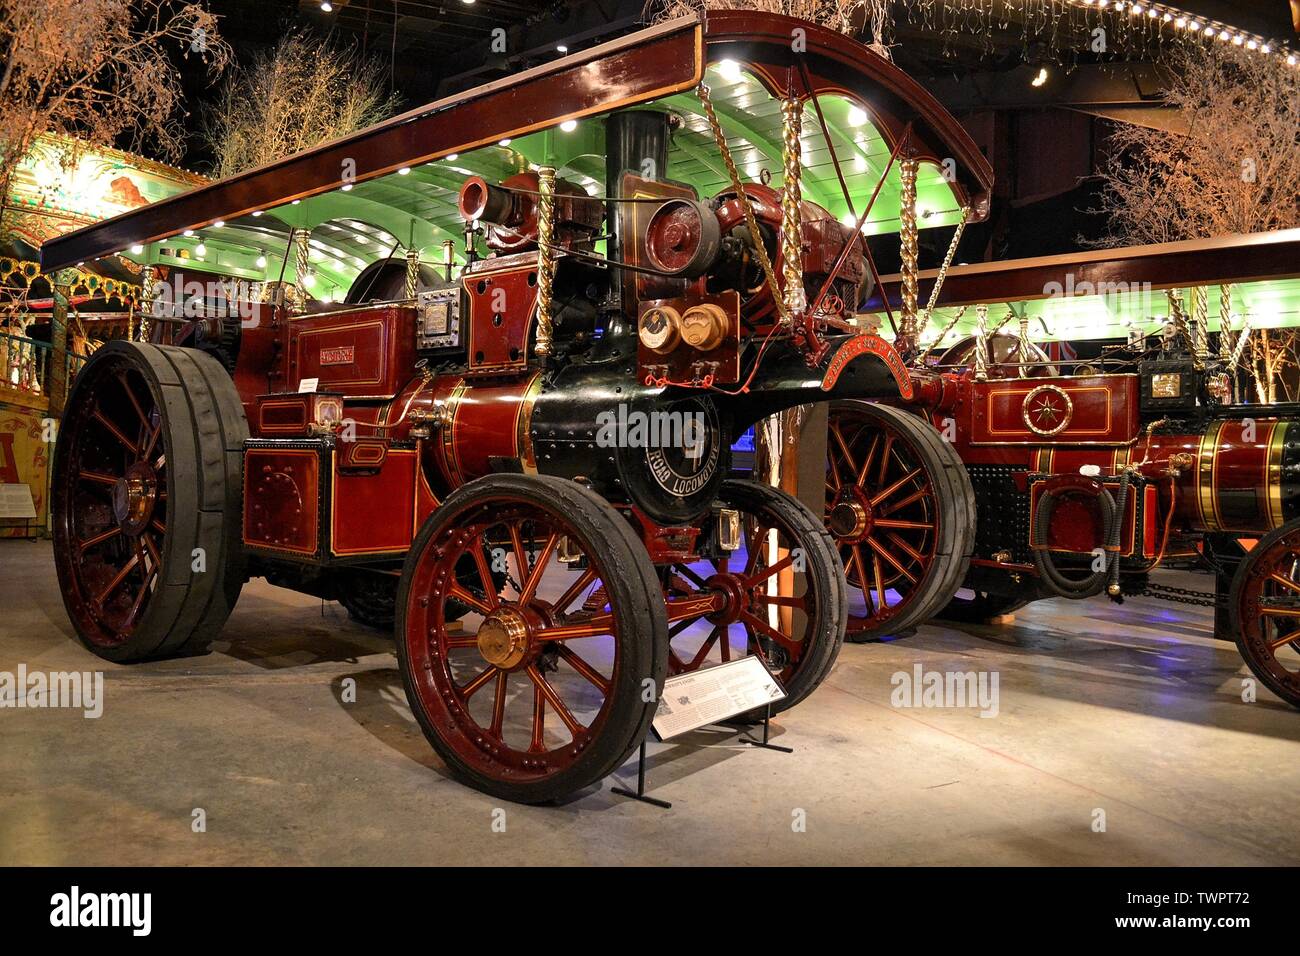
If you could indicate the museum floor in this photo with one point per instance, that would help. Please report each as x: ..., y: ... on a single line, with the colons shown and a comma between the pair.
x: 1132, y: 711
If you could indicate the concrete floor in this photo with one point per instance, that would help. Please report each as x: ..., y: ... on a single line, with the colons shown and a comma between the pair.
x: 1133, y: 711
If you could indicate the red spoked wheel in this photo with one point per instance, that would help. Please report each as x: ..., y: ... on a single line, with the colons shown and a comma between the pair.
x: 1264, y: 604
x: 901, y: 509
x: 551, y: 677
x: 146, y: 501
x: 779, y: 595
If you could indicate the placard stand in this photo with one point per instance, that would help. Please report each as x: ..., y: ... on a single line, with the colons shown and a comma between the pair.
x: 640, y: 793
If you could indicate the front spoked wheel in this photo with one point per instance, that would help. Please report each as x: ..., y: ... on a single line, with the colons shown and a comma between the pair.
x: 1264, y: 604
x: 551, y: 677
x: 780, y: 594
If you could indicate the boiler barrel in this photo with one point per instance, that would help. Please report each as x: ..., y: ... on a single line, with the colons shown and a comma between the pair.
x: 1244, y: 474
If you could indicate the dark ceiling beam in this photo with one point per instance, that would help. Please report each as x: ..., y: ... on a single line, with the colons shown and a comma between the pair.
x: 1099, y: 85
x: 582, y: 23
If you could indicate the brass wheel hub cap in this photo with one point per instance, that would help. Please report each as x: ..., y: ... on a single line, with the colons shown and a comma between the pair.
x: 134, y: 495
x: 850, y: 519
x: 503, y: 638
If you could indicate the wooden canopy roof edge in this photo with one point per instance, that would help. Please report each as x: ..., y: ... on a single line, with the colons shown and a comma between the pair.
x: 937, y: 134
x: 644, y: 66
x: 1252, y: 257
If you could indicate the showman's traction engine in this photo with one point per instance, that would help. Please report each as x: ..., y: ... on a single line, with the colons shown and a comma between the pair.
x: 521, y: 462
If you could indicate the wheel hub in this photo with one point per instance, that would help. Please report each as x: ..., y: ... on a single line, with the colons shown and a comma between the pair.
x: 850, y: 518
x: 735, y: 600
x: 134, y: 496
x: 503, y: 638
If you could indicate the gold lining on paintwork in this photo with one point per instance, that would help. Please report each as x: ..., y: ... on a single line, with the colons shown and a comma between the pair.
x: 1273, y: 486
x: 523, y: 422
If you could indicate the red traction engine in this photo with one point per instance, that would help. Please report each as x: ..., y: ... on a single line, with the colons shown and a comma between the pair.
x: 524, y: 468
x: 1083, y: 484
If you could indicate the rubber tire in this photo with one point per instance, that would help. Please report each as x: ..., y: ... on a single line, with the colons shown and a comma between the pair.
x: 1257, y: 667
x: 823, y: 568
x: 633, y: 588
x: 947, y: 473
x: 204, y: 430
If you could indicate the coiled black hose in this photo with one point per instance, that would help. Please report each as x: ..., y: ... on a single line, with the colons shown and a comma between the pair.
x: 1112, y: 512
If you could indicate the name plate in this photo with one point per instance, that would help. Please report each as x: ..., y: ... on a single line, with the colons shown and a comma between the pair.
x: 695, y: 700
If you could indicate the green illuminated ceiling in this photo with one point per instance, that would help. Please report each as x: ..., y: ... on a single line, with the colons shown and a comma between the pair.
x: 1268, y: 304
x: 352, y: 228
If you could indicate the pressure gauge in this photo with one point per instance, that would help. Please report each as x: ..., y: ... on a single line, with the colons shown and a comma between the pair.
x: 704, y: 326
x: 661, y: 328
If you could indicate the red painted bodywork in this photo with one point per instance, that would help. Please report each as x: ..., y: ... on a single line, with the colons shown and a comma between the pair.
x: 1226, y: 478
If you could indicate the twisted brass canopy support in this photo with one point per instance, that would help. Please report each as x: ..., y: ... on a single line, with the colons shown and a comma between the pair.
x: 907, y: 235
x: 981, y: 343
x: 545, y: 257
x: 791, y: 202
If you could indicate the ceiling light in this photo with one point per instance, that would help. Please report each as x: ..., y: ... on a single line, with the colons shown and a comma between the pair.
x: 562, y: 48
x: 295, y: 202
x: 218, y: 224
x: 201, y: 250
x: 452, y: 157
x: 327, y: 6
x: 857, y: 116
x: 136, y: 250
x: 346, y: 187
x: 504, y: 142
x: 256, y: 213
x: 1041, y: 78
x: 730, y: 70
x: 188, y: 232
x: 261, y: 262
x: 404, y: 171
x: 569, y: 125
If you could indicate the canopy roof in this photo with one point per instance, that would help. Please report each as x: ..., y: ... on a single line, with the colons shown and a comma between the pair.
x: 394, y: 185
x: 1103, y: 293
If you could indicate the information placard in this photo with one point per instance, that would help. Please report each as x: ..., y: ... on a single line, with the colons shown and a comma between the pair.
x: 16, y: 502
x: 703, y: 697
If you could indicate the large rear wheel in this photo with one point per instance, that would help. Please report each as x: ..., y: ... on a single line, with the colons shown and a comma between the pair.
x: 550, y: 680
x: 902, y: 511
x: 147, y: 501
